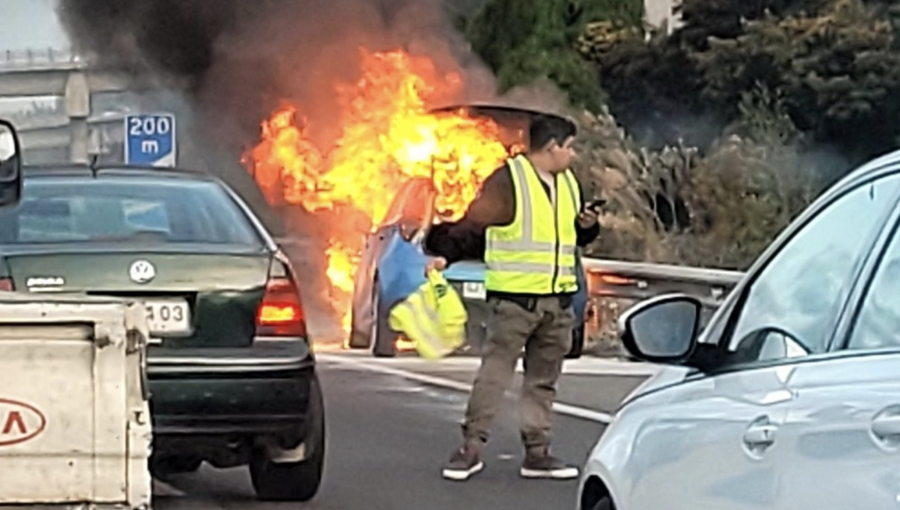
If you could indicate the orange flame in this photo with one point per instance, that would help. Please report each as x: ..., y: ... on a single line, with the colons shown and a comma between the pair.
x: 403, y: 344
x: 387, y: 137
x: 342, y: 263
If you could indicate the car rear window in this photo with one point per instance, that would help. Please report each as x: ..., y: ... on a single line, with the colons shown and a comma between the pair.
x: 111, y: 209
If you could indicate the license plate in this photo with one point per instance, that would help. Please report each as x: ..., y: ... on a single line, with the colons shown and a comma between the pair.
x: 168, y: 316
x: 474, y: 290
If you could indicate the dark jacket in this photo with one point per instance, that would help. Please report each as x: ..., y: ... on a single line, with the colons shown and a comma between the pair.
x: 495, y: 205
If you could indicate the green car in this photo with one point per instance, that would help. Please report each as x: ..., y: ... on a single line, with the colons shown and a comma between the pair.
x: 232, y: 374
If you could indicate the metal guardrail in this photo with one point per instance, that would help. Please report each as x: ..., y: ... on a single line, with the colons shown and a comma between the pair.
x: 637, y: 281
x: 41, y: 58
x: 616, y: 285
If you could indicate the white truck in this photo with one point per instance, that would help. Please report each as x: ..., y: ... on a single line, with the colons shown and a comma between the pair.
x: 75, y: 427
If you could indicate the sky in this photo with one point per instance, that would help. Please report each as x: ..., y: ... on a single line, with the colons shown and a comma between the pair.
x: 30, y: 24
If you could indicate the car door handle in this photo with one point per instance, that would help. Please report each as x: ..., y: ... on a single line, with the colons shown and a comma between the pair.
x: 760, y: 436
x: 886, y: 426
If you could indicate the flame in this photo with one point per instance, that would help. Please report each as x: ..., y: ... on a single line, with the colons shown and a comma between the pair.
x: 403, y: 344
x: 387, y: 136
x: 342, y: 263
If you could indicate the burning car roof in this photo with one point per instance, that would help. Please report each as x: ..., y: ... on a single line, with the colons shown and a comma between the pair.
x: 513, y: 121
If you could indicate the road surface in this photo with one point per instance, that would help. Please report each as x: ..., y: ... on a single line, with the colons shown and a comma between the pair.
x: 391, y: 425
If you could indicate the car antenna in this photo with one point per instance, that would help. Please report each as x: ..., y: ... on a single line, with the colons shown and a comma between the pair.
x: 95, y: 158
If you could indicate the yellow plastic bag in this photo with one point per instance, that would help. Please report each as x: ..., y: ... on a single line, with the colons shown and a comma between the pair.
x: 434, y: 318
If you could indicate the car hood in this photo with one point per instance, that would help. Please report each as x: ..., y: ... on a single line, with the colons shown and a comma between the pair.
x: 466, y: 270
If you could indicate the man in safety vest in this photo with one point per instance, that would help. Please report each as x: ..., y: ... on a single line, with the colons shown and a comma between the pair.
x: 526, y: 223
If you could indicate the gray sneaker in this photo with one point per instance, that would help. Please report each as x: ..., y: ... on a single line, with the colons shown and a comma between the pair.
x: 464, y: 463
x: 544, y: 465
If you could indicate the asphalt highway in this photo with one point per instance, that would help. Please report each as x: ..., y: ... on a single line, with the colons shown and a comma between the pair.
x: 391, y: 425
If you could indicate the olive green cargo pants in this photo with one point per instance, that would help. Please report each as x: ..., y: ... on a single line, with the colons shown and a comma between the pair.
x: 543, y: 327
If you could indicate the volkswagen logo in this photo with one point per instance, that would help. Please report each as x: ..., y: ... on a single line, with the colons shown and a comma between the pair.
x: 142, y: 271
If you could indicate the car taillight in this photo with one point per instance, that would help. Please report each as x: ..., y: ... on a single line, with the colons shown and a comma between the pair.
x: 281, y: 312
x: 6, y: 284
x: 611, y: 279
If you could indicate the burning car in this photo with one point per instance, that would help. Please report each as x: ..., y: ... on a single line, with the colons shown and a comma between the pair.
x: 382, y: 162
x: 413, y: 211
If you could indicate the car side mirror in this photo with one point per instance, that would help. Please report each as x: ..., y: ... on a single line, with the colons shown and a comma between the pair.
x: 662, y: 329
x: 10, y: 166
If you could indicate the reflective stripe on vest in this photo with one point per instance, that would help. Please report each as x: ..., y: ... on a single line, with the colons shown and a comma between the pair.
x: 535, y: 254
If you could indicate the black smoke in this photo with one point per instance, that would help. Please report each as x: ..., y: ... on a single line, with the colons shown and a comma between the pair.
x: 238, y: 58
x: 175, y: 38
x: 232, y: 62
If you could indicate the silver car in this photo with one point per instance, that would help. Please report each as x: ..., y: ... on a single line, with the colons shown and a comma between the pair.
x: 790, y: 397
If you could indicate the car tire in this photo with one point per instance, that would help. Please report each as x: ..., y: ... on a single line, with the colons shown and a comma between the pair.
x: 294, y: 481
x: 357, y: 341
x: 604, y: 504
x: 577, y: 342
x: 167, y: 465
x: 382, y: 336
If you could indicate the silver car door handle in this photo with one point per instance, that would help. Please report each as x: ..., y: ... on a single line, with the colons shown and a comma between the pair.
x: 886, y: 426
x: 760, y: 435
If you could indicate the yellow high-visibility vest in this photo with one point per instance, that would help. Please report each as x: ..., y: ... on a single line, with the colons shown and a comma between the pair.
x: 434, y: 318
x: 535, y: 254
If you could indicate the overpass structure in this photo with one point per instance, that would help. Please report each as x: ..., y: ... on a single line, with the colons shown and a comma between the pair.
x: 76, y: 130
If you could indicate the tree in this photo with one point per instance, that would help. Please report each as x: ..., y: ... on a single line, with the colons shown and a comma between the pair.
x: 835, y: 63
x: 839, y: 72
x: 525, y: 40
x: 678, y: 206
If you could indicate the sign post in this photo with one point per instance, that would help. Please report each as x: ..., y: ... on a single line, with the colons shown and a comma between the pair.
x: 150, y: 140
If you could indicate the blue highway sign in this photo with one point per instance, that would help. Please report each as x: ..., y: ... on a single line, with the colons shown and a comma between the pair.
x: 150, y: 140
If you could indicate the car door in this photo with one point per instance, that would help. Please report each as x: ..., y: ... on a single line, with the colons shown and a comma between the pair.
x: 843, y: 429
x: 409, y: 214
x: 715, y: 442
x: 704, y: 444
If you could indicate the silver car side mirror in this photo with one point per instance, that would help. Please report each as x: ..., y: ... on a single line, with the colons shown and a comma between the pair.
x: 662, y: 329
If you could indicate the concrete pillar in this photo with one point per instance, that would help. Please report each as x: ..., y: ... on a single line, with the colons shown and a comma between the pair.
x: 78, y: 108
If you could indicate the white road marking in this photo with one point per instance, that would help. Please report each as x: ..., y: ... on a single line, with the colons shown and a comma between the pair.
x: 581, y: 366
x: 372, y: 366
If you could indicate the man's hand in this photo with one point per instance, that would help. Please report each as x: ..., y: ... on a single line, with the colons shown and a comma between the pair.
x: 587, y: 218
x: 435, y: 263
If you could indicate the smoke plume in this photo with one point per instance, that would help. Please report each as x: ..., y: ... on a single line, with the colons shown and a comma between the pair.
x: 237, y: 59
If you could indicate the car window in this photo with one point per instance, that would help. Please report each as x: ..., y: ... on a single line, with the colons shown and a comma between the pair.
x: 792, y: 304
x: 878, y: 323
x: 125, y: 209
x: 147, y: 215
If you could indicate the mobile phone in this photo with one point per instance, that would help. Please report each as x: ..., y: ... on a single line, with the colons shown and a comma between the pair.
x: 595, y: 205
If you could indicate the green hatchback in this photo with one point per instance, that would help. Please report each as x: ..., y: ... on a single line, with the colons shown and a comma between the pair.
x: 232, y: 374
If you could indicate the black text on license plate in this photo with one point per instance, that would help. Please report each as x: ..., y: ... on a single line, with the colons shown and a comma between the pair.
x: 168, y: 316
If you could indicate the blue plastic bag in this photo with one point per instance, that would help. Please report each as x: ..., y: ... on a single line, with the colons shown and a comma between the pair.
x: 580, y: 301
x: 401, y: 270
